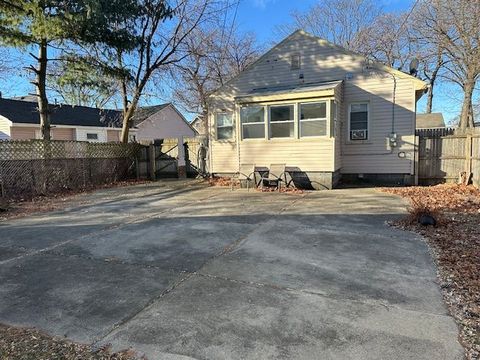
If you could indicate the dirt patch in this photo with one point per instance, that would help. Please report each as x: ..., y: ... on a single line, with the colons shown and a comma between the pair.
x: 455, y: 243
x: 31, y: 344
x: 21, y: 208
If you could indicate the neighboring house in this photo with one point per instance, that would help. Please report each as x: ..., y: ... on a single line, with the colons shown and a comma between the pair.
x: 161, y: 122
x: 199, y: 125
x: 430, y: 121
x: 19, y: 120
x: 321, y: 110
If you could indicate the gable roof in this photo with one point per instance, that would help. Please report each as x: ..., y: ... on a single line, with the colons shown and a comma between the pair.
x: 143, y: 113
x: 419, y: 84
x: 430, y: 121
x: 26, y: 112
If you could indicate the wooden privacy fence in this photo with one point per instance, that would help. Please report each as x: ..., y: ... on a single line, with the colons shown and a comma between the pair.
x: 173, y: 158
x: 443, y: 158
x: 36, y: 167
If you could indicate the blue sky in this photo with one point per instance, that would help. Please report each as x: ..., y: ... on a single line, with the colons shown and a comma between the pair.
x: 262, y: 17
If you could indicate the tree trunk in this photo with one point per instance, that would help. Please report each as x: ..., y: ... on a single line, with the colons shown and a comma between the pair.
x: 466, y: 119
x: 429, y: 98
x: 41, y: 90
x: 126, y: 124
x: 433, y: 78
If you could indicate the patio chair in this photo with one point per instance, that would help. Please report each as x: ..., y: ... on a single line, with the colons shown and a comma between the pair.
x: 275, y: 176
x: 245, y: 173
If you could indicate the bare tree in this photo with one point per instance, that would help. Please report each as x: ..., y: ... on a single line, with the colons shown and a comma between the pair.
x: 454, y: 27
x: 162, y: 44
x: 338, y: 21
x: 212, y: 60
x: 387, y: 40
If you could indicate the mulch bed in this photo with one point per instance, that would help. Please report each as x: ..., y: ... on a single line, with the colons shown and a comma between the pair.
x: 455, y: 243
x: 31, y: 344
x: 20, y: 207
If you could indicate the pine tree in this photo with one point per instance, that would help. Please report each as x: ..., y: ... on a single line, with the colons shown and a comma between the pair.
x: 43, y: 24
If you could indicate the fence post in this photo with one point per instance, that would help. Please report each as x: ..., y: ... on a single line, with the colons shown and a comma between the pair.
x: 182, y: 168
x: 152, y: 161
x: 416, y: 160
x: 468, y: 155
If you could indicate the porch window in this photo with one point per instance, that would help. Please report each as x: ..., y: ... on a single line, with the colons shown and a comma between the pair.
x: 358, y: 121
x: 313, y: 119
x: 224, y: 126
x: 253, y: 122
x: 281, y: 121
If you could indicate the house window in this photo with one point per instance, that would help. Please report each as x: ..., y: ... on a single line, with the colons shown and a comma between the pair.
x: 313, y: 119
x: 224, y: 126
x: 358, y: 121
x: 281, y: 121
x: 295, y: 62
x: 92, y: 136
x: 253, y: 122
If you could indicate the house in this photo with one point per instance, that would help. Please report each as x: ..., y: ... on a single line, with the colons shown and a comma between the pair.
x: 19, y: 120
x: 324, y: 112
x: 430, y: 121
x: 161, y: 122
x: 199, y: 125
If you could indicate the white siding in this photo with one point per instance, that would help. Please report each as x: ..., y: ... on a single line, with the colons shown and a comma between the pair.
x: 320, y: 62
x: 375, y: 156
x: 81, y: 134
x: 5, y: 125
x: 167, y: 123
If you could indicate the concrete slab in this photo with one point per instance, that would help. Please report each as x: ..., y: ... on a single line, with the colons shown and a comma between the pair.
x: 211, y: 318
x: 184, y: 244
x: 74, y: 297
x: 180, y: 270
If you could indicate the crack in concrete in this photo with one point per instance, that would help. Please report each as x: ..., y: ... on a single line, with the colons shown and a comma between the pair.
x: 388, y: 306
x: 226, y: 250
x: 130, y: 220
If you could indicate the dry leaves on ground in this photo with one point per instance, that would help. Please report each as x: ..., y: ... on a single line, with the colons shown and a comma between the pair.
x: 455, y: 243
x: 31, y: 344
x: 227, y: 181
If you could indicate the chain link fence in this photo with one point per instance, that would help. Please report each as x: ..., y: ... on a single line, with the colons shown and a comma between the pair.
x: 36, y: 167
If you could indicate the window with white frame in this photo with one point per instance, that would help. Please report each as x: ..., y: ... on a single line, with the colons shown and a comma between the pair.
x: 224, y: 123
x: 253, y: 122
x: 313, y: 119
x: 282, y: 121
x: 358, y: 121
x: 92, y: 136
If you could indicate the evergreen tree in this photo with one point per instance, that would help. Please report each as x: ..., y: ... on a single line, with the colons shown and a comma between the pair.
x: 50, y: 24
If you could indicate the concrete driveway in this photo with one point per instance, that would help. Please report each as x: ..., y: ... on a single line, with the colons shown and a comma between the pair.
x: 180, y: 271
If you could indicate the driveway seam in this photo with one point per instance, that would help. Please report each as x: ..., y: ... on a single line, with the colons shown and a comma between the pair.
x: 388, y: 306
x: 134, y: 219
x: 227, y: 249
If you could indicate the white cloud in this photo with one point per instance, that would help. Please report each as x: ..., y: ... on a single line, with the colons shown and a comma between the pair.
x: 262, y: 4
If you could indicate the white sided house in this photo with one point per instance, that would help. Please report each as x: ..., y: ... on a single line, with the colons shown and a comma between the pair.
x: 324, y: 112
x: 160, y: 122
